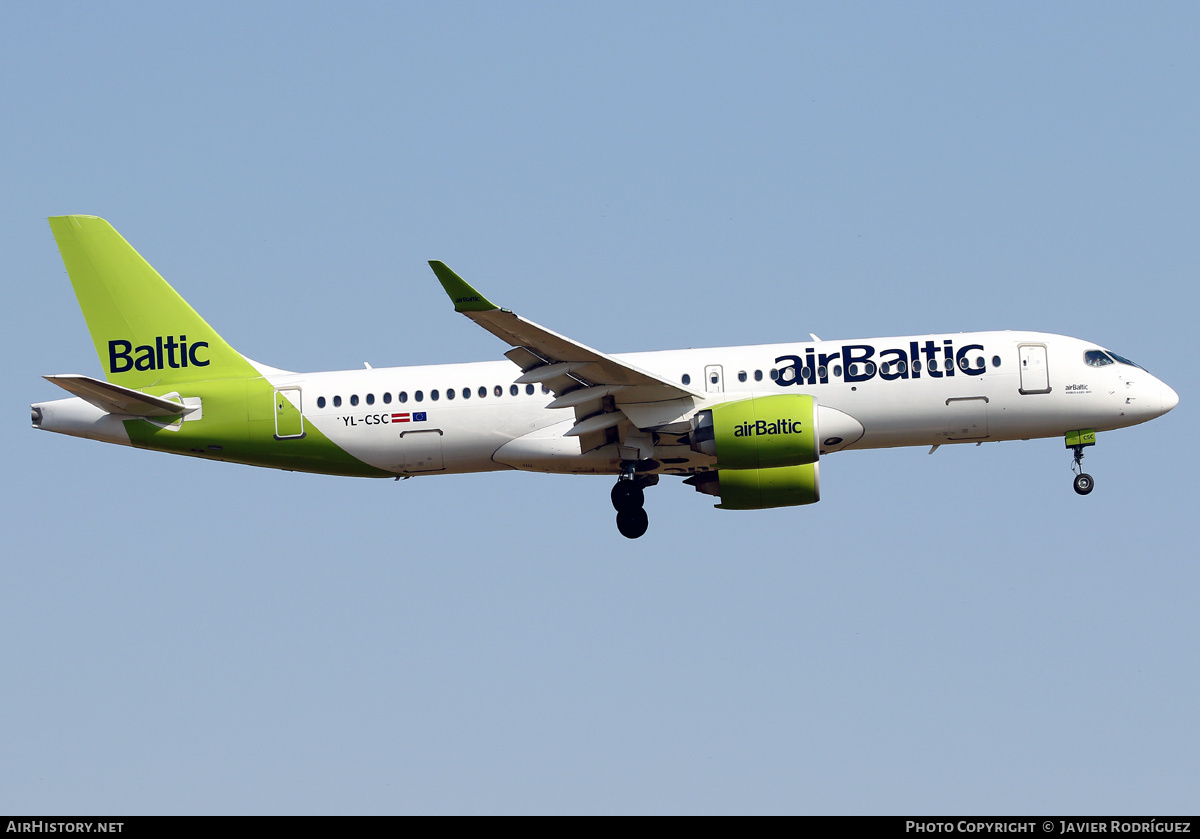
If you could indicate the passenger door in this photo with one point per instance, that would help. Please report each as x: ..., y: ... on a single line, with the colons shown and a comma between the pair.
x: 289, y: 413
x: 1035, y: 377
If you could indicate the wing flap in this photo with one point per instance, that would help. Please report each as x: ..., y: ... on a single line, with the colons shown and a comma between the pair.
x: 524, y: 358
x: 596, y: 422
x: 546, y: 372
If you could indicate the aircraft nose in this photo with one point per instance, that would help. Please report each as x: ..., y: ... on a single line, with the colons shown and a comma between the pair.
x: 1169, y: 397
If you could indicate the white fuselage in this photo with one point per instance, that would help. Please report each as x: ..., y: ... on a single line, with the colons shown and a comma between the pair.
x: 1029, y: 385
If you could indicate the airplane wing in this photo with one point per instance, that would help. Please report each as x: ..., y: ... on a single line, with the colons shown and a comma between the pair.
x: 603, y: 390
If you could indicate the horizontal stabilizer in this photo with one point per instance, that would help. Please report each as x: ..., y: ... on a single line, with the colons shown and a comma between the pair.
x: 115, y: 399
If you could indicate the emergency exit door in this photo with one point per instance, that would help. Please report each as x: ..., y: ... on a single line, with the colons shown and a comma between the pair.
x: 713, y: 381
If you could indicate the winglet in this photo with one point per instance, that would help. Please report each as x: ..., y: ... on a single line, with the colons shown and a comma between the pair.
x: 466, y: 299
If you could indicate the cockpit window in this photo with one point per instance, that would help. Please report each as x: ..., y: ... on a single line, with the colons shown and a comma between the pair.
x: 1097, y: 358
x: 1126, y: 361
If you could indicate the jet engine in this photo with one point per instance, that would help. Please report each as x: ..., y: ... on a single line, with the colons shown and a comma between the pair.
x: 758, y: 489
x: 766, y: 450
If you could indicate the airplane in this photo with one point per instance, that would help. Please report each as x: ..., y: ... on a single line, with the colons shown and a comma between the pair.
x: 747, y: 425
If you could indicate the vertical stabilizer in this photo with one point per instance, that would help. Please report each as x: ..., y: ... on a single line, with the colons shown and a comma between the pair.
x: 144, y: 332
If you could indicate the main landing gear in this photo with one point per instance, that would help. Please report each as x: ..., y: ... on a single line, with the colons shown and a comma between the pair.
x: 1077, y: 441
x: 628, y: 496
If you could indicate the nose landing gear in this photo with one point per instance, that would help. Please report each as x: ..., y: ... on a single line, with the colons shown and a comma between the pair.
x: 628, y: 495
x: 1077, y: 440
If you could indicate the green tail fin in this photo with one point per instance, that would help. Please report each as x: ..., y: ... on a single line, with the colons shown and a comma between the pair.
x: 144, y: 332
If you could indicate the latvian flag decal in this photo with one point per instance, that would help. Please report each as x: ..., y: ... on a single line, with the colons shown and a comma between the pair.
x: 419, y: 416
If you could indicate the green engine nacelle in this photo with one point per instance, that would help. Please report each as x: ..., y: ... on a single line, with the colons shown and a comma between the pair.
x: 768, y: 432
x: 758, y: 489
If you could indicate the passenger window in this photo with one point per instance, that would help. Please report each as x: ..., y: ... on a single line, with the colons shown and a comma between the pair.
x: 741, y: 375
x: 497, y: 391
x: 466, y: 393
x: 545, y: 389
x: 822, y: 372
x: 320, y: 401
x: 419, y: 396
x: 387, y: 398
x: 837, y: 370
x: 853, y: 368
x: 899, y: 366
x: 869, y: 369
x: 354, y: 399
x: 433, y: 396
x: 883, y: 368
x: 949, y: 365
x: 788, y: 374
x: 483, y: 391
x: 995, y: 361
x: 337, y: 401
x: 514, y: 390
x: 774, y: 375
x: 449, y: 393
x: 529, y: 390
x: 758, y: 375
x: 916, y: 367
x: 964, y: 364
x: 370, y: 399
x: 404, y: 396
x: 687, y: 380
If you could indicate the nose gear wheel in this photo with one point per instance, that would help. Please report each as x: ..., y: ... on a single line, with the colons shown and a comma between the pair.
x: 1083, y: 483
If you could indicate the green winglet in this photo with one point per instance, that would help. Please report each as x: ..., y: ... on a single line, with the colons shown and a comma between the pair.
x: 466, y: 299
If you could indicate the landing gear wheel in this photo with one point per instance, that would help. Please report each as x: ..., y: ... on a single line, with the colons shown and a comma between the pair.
x: 627, y: 495
x: 1084, y: 483
x: 632, y: 523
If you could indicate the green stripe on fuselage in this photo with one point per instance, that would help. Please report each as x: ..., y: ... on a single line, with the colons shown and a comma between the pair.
x: 237, y: 424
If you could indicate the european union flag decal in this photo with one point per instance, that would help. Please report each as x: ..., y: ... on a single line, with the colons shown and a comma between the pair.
x: 419, y: 416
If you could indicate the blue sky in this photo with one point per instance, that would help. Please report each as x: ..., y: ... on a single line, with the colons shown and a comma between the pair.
x: 951, y: 633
